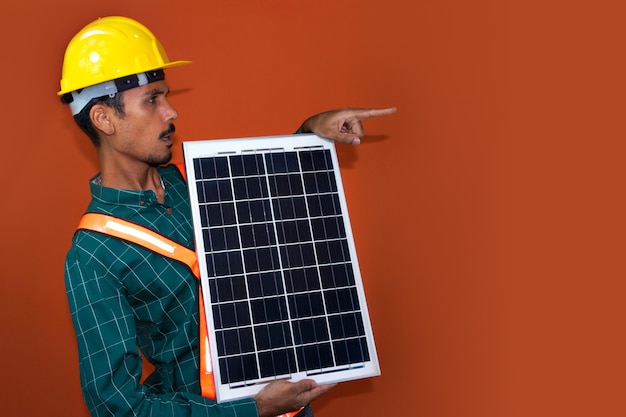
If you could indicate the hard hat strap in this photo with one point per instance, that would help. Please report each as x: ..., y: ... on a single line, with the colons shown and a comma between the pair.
x: 80, y: 98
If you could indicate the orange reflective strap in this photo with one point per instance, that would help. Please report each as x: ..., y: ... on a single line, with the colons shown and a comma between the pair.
x: 142, y: 236
x: 155, y: 242
x: 207, y: 383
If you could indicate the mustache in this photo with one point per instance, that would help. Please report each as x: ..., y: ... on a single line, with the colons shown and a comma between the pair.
x: 170, y: 131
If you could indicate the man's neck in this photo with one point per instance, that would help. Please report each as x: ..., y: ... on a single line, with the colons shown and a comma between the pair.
x: 135, y: 179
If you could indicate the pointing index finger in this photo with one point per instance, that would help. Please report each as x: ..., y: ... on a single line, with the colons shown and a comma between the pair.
x: 367, y: 113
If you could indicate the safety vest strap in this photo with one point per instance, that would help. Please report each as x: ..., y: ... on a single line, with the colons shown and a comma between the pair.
x: 160, y: 244
x: 140, y: 235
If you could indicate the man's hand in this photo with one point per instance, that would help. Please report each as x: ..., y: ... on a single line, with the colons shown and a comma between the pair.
x: 342, y: 125
x: 282, y: 396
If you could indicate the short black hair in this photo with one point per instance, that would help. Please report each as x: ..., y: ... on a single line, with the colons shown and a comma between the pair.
x: 83, y: 120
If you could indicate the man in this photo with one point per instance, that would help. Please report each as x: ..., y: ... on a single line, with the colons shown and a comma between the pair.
x: 127, y: 301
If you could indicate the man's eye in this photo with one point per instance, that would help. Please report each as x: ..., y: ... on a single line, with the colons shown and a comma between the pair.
x: 152, y: 99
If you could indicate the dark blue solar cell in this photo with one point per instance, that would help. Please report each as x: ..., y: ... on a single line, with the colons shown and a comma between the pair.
x: 249, y: 211
x: 204, y: 215
x: 221, y: 167
x: 236, y: 165
x: 336, y: 275
x: 273, y: 336
x: 287, y: 184
x: 224, y: 263
x: 289, y: 208
x: 323, y: 205
x: 312, y: 357
x: 261, y: 259
x: 207, y: 168
x: 328, y: 228
x: 219, y: 214
x: 214, y: 191
x: 240, y: 189
x: 224, y: 190
x: 257, y: 187
x: 265, y: 310
x: 304, y: 230
x: 314, y: 205
x: 256, y: 235
x: 253, y: 164
x: 296, y: 256
x: 283, y: 209
x: 351, y: 351
x: 220, y: 238
x: 301, y: 279
x: 346, y: 325
x: 249, y: 188
x: 277, y: 363
x: 229, y: 289
x: 287, y: 232
x: 310, y: 331
x: 224, y: 314
x: 241, y: 165
x: 212, y: 243
x: 341, y: 300
x: 306, y: 305
x: 319, y: 182
x: 317, y: 160
x: 232, y: 238
x: 244, y: 213
x: 197, y: 167
x: 238, y: 369
x: 282, y: 162
x: 332, y: 251
x: 247, y: 236
x: 279, y: 185
x: 235, y: 341
x: 260, y: 210
x: 207, y: 191
x: 230, y: 314
x: 330, y: 204
x: 299, y: 207
x: 265, y: 284
x: 306, y: 161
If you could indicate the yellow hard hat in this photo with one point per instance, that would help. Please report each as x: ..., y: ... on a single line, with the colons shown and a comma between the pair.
x: 108, y: 49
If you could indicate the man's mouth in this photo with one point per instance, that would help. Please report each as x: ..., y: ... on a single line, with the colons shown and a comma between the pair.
x: 166, y: 136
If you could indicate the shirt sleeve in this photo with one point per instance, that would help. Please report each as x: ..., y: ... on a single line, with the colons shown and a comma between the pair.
x: 109, y: 360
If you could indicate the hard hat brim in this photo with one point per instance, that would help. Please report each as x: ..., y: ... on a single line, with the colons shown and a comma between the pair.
x: 165, y: 66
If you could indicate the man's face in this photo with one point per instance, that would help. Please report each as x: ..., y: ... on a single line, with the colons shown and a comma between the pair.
x: 144, y: 133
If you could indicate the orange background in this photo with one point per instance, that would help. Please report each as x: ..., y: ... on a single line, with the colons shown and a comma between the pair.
x: 488, y: 212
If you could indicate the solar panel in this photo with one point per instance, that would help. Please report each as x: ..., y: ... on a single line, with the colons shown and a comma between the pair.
x: 279, y: 272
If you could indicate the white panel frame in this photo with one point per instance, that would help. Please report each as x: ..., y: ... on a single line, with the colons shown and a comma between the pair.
x: 221, y: 147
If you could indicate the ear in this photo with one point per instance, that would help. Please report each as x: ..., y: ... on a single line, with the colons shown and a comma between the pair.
x: 100, y: 116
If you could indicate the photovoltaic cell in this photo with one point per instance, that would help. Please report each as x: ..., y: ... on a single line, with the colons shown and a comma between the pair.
x: 279, y: 272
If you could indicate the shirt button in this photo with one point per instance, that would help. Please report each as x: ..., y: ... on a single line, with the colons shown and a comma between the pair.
x: 168, y: 210
x: 141, y: 203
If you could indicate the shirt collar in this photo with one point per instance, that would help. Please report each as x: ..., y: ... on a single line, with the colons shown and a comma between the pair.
x: 135, y: 198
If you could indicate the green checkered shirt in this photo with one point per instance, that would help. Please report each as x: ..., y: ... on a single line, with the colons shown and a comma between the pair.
x: 125, y: 299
